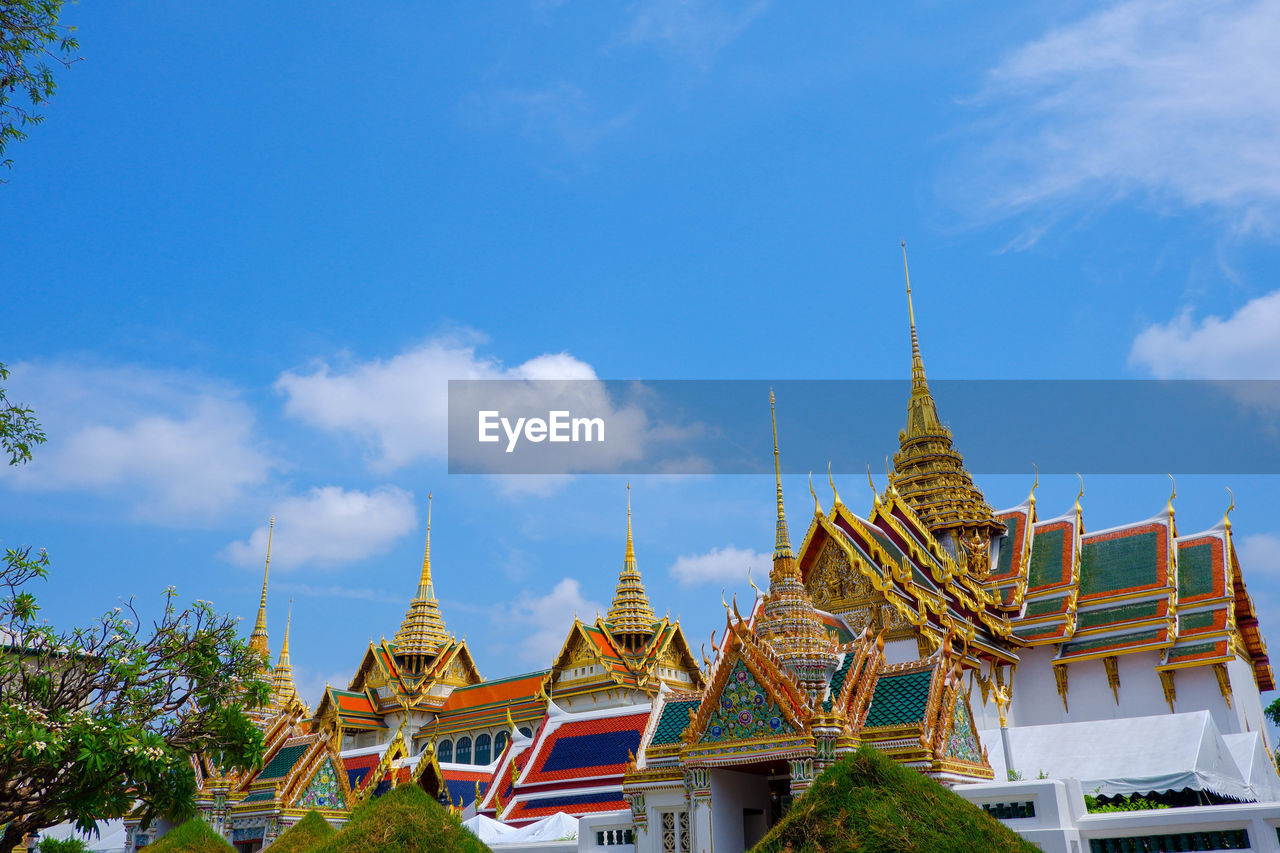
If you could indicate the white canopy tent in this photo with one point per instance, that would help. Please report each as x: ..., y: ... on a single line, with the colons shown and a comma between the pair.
x: 111, y: 836
x: 1250, y: 753
x: 557, y: 827
x: 1135, y: 755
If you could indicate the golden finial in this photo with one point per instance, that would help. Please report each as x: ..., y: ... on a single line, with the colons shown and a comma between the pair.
x: 510, y: 722
x: 1226, y: 516
x: 817, y: 507
x: 425, y: 589
x: 834, y: 491
x: 723, y: 601
x: 629, y: 558
x: 1172, y: 494
x: 1032, y: 497
x: 1080, y: 494
x: 288, y: 621
x: 782, y: 545
x: 752, y: 583
x: 918, y: 383
x: 875, y: 496
x: 258, y: 639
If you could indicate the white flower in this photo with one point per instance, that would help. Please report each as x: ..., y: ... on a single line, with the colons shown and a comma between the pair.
x: 39, y: 745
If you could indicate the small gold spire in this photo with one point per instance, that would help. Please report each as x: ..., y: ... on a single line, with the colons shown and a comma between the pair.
x: 1173, y: 494
x: 834, y: 491
x: 782, y: 539
x: 630, y: 615
x: 918, y: 382
x: 258, y: 639
x: 817, y: 507
x: 423, y: 630
x: 875, y: 496
x: 283, y: 689
x: 1226, y: 516
x: 1081, y: 493
x: 1031, y: 498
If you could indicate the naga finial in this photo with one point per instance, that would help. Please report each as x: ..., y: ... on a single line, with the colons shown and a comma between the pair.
x: 817, y: 507
x: 1032, y: 497
x: 1226, y: 516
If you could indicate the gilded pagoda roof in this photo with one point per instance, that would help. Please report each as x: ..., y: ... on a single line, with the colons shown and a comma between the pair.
x: 423, y: 632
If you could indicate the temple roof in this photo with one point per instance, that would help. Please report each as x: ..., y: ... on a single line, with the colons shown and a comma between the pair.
x: 258, y: 639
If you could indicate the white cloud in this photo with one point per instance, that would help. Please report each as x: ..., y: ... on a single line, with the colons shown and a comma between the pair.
x: 330, y: 525
x: 1259, y: 555
x: 399, y: 407
x: 1245, y: 345
x: 174, y: 446
x: 722, y: 565
x: 547, y: 618
x: 1173, y: 100
x: 696, y: 30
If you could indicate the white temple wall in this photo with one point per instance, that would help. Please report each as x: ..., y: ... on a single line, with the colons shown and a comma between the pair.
x: 901, y: 651
x: 731, y: 793
x: 1246, y: 700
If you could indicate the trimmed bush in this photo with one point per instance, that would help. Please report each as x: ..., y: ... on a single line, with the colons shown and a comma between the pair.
x: 305, y: 835
x: 404, y: 820
x: 61, y: 845
x: 194, y: 836
x: 867, y: 803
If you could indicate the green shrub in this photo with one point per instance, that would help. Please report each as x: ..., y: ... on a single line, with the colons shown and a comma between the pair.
x: 867, y: 803
x: 305, y: 835
x: 404, y: 820
x: 1121, y: 804
x: 194, y: 836
x: 62, y: 845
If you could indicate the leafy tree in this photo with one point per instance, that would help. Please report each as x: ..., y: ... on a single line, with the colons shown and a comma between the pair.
x: 30, y: 38
x: 97, y: 719
x: 1273, y: 712
x: 61, y: 845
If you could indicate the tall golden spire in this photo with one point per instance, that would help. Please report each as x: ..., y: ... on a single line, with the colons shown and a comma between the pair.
x: 422, y: 632
x: 788, y: 622
x: 282, y: 687
x: 782, y: 539
x: 258, y: 639
x: 929, y: 473
x: 630, y: 615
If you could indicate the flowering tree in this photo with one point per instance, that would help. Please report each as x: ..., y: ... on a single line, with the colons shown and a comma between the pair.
x: 97, y: 720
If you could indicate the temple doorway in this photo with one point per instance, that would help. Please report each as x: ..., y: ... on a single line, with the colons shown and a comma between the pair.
x: 746, y: 801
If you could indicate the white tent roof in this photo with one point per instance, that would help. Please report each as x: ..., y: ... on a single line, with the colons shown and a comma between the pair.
x: 487, y: 829
x: 1134, y: 755
x: 1255, y: 765
x: 557, y: 827
x: 111, y: 835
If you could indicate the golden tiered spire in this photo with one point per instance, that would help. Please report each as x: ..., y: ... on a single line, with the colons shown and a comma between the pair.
x: 283, y: 690
x: 422, y: 632
x: 258, y: 639
x: 789, y: 623
x: 630, y: 615
x: 928, y: 472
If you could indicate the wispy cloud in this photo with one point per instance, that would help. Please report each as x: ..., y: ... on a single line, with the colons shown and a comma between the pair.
x: 720, y: 565
x: 175, y: 447
x: 693, y: 30
x: 561, y: 113
x: 329, y: 526
x: 1175, y: 102
x: 1245, y: 345
x: 543, y: 621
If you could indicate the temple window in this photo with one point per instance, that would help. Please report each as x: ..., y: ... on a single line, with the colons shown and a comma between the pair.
x: 500, y: 742
x: 444, y: 752
x: 464, y: 750
x: 483, y: 743
x: 526, y: 731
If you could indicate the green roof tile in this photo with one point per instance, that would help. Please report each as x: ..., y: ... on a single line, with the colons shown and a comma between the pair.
x: 837, y: 679
x: 900, y: 699
x: 1123, y: 613
x: 673, y: 722
x: 1124, y: 562
x: 1047, y: 555
x: 1012, y: 529
x: 1195, y: 570
x: 282, y: 762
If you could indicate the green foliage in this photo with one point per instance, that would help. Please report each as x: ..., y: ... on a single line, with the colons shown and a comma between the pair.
x: 96, y: 719
x: 305, y: 835
x: 867, y: 803
x: 405, y: 820
x: 19, y: 430
x: 61, y: 845
x: 1273, y: 712
x: 30, y: 37
x: 1121, y: 804
x: 194, y: 836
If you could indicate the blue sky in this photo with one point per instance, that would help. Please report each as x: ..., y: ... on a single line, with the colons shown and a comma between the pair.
x: 250, y: 244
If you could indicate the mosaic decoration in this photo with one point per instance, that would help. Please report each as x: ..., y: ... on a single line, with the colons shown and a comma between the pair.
x: 323, y: 792
x: 963, y: 743
x: 744, y: 710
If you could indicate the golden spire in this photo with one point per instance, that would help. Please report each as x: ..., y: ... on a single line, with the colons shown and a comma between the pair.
x: 258, y: 639
x: 782, y: 539
x: 928, y: 472
x: 832, y: 480
x: 817, y: 507
x: 423, y: 632
x: 1226, y: 516
x: 630, y: 615
x: 282, y: 687
x: 788, y: 621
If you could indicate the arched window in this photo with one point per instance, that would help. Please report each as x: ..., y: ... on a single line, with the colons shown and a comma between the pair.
x: 526, y: 731
x: 482, y: 748
x: 500, y: 743
x: 444, y: 751
x: 464, y: 750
